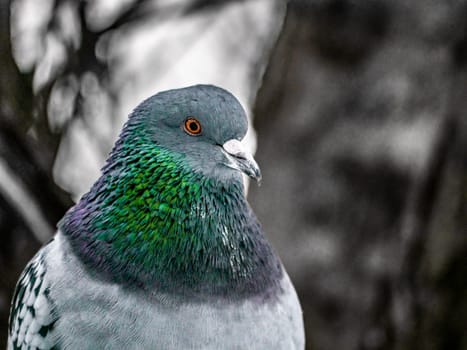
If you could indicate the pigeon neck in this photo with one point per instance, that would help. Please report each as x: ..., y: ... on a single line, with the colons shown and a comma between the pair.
x: 152, y: 222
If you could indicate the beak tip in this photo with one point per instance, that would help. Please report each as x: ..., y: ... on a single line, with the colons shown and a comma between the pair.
x: 259, y: 180
x: 254, y: 172
x: 243, y: 160
x: 257, y: 176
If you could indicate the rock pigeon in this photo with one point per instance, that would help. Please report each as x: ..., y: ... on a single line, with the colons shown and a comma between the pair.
x: 164, y: 251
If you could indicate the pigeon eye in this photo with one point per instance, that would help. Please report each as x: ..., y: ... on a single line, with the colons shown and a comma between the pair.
x: 192, y: 126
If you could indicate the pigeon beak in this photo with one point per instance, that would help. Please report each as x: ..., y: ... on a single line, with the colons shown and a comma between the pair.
x: 241, y: 159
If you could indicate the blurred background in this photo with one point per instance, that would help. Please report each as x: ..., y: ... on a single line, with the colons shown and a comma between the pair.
x: 358, y: 117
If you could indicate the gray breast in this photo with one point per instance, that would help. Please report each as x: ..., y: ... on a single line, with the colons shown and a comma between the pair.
x: 108, y: 316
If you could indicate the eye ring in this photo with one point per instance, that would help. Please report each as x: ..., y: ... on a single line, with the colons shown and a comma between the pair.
x: 192, y: 126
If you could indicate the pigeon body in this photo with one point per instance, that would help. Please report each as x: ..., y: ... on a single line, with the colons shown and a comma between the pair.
x: 164, y: 251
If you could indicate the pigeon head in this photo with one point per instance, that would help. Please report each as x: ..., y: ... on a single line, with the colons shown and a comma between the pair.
x: 202, y: 123
x: 169, y: 211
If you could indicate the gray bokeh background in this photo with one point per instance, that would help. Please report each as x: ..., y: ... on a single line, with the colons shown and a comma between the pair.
x: 357, y: 116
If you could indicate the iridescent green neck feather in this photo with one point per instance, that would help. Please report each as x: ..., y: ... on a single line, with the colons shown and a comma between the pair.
x: 154, y: 221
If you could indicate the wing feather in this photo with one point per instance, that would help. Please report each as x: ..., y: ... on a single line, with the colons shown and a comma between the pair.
x: 32, y: 315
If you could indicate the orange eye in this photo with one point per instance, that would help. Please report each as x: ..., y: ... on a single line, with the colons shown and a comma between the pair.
x: 192, y: 126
